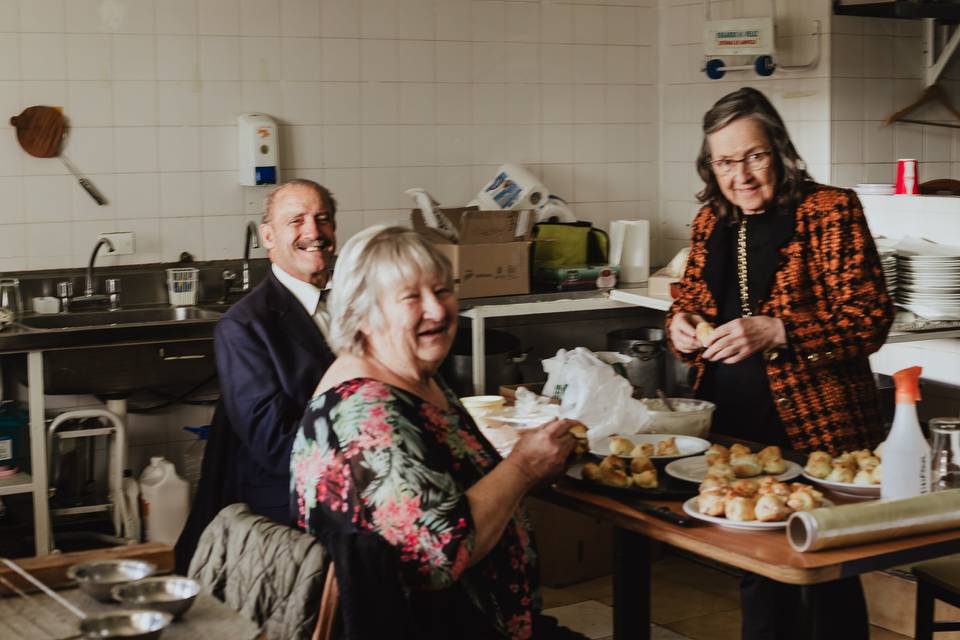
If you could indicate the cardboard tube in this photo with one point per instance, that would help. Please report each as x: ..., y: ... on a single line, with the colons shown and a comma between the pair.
x: 871, y: 521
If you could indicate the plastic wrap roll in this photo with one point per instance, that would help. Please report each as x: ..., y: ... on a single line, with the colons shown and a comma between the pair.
x: 870, y: 521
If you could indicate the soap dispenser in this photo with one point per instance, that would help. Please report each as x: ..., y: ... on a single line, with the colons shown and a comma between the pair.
x: 259, y: 150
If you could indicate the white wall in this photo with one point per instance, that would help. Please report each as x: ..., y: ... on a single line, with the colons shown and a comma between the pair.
x: 801, y: 97
x: 374, y: 96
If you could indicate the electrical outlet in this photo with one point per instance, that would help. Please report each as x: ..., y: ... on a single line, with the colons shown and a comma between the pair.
x: 122, y: 243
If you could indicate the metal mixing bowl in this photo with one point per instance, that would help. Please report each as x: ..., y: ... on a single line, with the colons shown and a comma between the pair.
x: 97, y: 578
x: 135, y: 624
x: 173, y: 594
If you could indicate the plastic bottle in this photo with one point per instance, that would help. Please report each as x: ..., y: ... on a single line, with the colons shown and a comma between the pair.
x: 906, y: 453
x: 131, y: 507
x: 165, y: 498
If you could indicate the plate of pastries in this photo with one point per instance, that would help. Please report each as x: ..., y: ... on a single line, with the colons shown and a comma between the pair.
x: 751, y: 503
x: 853, y: 473
x: 663, y: 446
x: 738, y: 461
x: 618, y: 474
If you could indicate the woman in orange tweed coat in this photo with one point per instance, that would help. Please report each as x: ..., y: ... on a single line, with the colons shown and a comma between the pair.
x: 786, y: 287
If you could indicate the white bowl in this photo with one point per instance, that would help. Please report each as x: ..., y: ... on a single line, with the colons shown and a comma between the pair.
x: 691, y: 418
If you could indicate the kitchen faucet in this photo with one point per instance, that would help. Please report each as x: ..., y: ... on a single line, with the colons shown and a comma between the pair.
x: 229, y: 277
x: 88, y: 290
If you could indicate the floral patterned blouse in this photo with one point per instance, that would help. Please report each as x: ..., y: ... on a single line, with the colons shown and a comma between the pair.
x: 375, y: 457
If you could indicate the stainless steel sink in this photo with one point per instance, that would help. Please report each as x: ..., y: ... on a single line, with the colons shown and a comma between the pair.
x: 120, y: 317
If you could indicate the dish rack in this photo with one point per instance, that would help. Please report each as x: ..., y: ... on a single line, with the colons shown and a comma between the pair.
x: 182, y: 284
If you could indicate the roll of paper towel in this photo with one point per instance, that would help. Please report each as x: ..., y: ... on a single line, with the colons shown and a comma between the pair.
x: 513, y: 187
x: 630, y: 249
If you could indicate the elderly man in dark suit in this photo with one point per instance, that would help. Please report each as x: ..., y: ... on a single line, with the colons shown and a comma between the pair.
x: 271, y: 351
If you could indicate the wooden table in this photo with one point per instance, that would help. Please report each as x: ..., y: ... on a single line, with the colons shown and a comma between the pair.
x: 766, y: 553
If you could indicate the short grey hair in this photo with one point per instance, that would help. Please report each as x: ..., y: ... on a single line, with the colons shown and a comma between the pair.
x: 374, y: 261
x: 325, y: 194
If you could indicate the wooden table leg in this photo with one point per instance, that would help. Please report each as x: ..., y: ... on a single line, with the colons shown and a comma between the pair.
x: 631, y: 585
x: 807, y: 620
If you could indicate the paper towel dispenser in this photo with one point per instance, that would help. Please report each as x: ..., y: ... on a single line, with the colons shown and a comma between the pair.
x: 259, y: 150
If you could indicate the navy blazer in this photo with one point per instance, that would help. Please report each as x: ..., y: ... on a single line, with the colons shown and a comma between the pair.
x: 270, y: 358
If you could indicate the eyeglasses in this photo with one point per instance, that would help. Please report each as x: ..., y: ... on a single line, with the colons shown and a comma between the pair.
x: 753, y: 162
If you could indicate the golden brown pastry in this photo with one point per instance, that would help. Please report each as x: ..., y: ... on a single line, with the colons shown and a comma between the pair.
x: 774, y: 466
x: 868, y: 462
x: 668, y: 447
x: 820, y: 456
x: 740, y: 509
x: 645, y: 479
x: 877, y: 473
x: 819, y: 464
x: 713, y: 482
x: 744, y: 487
x: 620, y: 446
x: 845, y: 460
x: 591, y: 472
x: 769, y: 484
x: 770, y: 453
x: 804, y: 497
x: 704, y: 331
x: 717, y: 453
x: 614, y: 463
x: 712, y: 502
x: 772, y: 508
x: 640, y: 464
x: 738, y: 449
x: 722, y: 470
x: 579, y: 431
x: 864, y: 476
x: 644, y: 449
x: 840, y: 473
x: 746, y: 466
x: 605, y: 475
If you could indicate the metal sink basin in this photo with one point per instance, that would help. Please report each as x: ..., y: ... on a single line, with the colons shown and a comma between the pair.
x: 116, y: 318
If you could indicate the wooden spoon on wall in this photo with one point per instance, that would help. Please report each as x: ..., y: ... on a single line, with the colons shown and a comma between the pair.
x: 40, y: 132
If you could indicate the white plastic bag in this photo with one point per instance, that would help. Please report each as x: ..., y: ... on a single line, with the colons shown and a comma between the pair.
x: 591, y: 391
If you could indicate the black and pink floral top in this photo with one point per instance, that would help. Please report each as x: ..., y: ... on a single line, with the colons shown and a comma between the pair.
x: 379, y: 459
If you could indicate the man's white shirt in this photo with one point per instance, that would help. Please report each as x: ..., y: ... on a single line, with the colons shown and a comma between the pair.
x: 309, y: 296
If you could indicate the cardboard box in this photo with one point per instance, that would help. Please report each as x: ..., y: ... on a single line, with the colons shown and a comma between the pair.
x: 659, y: 283
x: 573, y: 547
x: 491, y: 256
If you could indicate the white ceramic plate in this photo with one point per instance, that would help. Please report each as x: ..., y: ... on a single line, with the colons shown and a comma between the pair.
x: 695, y: 469
x: 687, y: 445
x: 690, y: 508
x: 523, y: 422
x: 847, y: 488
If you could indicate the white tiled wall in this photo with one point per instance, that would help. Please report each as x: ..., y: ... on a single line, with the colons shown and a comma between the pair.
x: 878, y: 70
x: 801, y: 97
x: 373, y: 97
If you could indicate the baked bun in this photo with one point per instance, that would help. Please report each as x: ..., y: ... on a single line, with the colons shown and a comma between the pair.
x: 579, y: 432
x: 722, y: 470
x: 614, y: 463
x: 738, y: 449
x: 712, y: 502
x: 770, y: 453
x: 840, y: 473
x: 864, y: 476
x: 646, y: 479
x: 668, y: 447
x: 713, y: 482
x: 774, y: 466
x: 771, y: 508
x: 704, y: 331
x: 769, y: 484
x: 819, y: 464
x: 744, y: 487
x: 591, y: 472
x: 804, y: 497
x: 868, y: 462
x: 740, y: 509
x: 640, y: 464
x: 620, y: 446
x: 644, y: 449
x: 605, y: 475
x: 746, y: 466
x: 717, y: 453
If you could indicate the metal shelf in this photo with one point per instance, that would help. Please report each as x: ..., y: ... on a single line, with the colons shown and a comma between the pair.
x: 17, y: 483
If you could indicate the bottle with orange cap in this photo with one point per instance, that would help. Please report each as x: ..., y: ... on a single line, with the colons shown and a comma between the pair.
x: 906, y: 453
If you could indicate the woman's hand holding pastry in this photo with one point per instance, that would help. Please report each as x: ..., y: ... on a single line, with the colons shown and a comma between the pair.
x: 683, y: 332
x: 741, y: 338
x: 542, y: 454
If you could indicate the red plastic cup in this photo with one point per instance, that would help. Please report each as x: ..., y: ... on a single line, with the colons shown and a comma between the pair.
x: 908, y: 177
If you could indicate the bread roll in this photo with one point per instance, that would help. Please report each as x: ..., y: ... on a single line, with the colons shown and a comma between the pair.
x: 819, y: 464
x: 591, y: 472
x: 640, y: 464
x: 770, y: 484
x: 774, y: 466
x: 772, y: 508
x: 615, y: 478
x: 820, y: 456
x: 668, y: 447
x: 722, y: 470
x: 717, y: 453
x: 712, y: 502
x: 704, y: 331
x: 614, y: 463
x: 744, y: 487
x: 579, y: 431
x: 740, y: 509
x: 864, y: 476
x: 713, y: 482
x: 840, y: 473
x: 746, y: 466
x: 620, y: 446
x: 770, y: 453
x: 738, y: 449
x: 868, y: 462
x: 644, y: 450
x: 645, y: 479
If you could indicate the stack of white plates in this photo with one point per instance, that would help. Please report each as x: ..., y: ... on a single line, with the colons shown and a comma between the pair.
x: 874, y: 189
x: 929, y: 285
x: 888, y: 260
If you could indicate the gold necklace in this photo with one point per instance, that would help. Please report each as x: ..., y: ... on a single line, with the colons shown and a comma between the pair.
x: 742, y: 268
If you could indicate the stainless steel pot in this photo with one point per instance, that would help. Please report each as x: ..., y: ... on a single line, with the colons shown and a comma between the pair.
x: 502, y: 354
x: 645, y: 347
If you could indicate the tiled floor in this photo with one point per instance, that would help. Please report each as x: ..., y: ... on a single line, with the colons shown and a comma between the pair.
x: 689, y: 601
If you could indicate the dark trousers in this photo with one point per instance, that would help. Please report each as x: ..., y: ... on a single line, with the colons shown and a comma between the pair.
x: 772, y: 610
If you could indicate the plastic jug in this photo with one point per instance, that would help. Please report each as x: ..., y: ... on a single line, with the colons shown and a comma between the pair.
x: 131, y: 507
x: 165, y: 501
